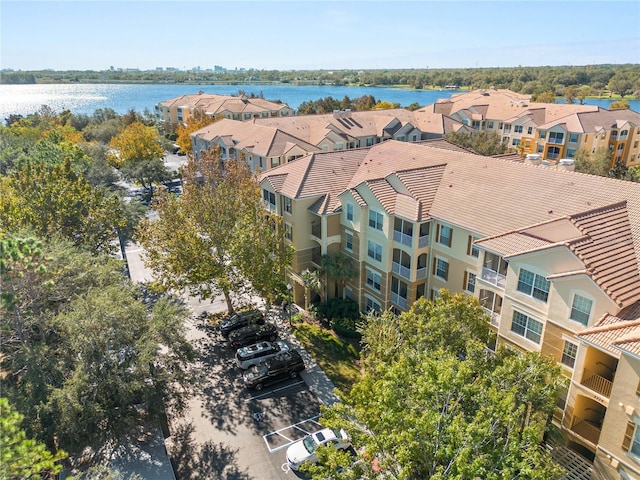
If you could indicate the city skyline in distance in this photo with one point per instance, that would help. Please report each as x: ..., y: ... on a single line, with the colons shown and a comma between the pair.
x: 308, y: 35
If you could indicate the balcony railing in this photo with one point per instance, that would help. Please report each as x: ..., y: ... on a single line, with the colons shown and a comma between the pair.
x: 316, y: 230
x: 586, y: 429
x: 596, y: 382
x: 423, y: 241
x: 398, y: 300
x: 421, y: 273
x: 493, y: 277
x: 613, y: 137
x: 402, y: 238
x: 401, y: 270
x: 495, y: 317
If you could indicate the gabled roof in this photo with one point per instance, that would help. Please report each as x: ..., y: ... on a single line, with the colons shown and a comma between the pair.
x: 594, y: 121
x: 261, y: 140
x: 519, y: 207
x: 213, y: 104
x: 615, y: 333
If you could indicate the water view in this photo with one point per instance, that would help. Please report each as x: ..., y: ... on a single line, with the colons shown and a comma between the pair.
x: 87, y: 98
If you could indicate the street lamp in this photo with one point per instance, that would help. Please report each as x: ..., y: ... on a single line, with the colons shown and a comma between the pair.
x: 290, y: 300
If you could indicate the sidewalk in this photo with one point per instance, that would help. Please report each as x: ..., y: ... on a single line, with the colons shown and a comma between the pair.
x: 313, y: 375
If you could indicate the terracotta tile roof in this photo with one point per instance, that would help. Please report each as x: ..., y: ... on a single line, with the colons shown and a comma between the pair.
x: 361, y: 201
x: 608, y: 251
x: 519, y: 207
x: 260, y: 140
x: 384, y: 193
x: 594, y: 121
x: 315, y: 128
x: 214, y: 104
x: 323, y: 175
x: 616, y: 332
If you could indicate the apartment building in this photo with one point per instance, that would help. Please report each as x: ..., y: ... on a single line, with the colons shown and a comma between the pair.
x: 268, y: 142
x: 261, y: 146
x: 551, y: 254
x: 181, y: 110
x: 555, y: 131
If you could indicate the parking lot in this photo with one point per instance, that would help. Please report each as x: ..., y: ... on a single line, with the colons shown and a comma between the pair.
x: 243, y: 433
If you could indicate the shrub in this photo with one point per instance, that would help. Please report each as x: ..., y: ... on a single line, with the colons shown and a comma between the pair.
x: 338, y: 308
x: 345, y: 327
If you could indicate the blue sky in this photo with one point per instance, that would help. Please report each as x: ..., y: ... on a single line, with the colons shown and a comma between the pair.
x: 299, y: 34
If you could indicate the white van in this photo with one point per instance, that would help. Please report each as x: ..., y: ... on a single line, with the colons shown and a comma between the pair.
x: 258, y: 352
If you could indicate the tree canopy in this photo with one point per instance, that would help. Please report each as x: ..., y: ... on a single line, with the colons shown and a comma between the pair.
x: 482, y: 142
x: 432, y: 404
x: 86, y: 355
x: 216, y: 238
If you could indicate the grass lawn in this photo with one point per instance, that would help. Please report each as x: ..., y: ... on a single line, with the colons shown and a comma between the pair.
x: 336, y: 357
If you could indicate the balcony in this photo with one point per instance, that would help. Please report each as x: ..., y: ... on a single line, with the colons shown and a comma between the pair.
x: 495, y: 317
x: 316, y: 230
x: 423, y: 241
x: 421, y: 273
x: 587, y: 429
x: 596, y: 382
x: 398, y: 300
x: 494, y: 278
x: 402, y: 238
x: 401, y: 270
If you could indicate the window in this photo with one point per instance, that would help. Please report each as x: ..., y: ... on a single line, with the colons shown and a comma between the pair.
x: 631, y: 442
x: 472, y: 250
x: 469, y: 282
x: 569, y: 354
x: 571, y: 152
x: 556, y: 137
x: 269, y: 198
x: 350, y: 212
x: 490, y: 124
x: 374, y: 279
x: 288, y: 231
x: 260, y: 162
x: 375, y: 220
x: 500, y: 126
x: 526, y: 327
x: 533, y: 285
x: 635, y: 144
x: 540, y: 148
x: 435, y: 294
x: 553, y: 152
x: 369, y: 142
x: 374, y: 250
x: 573, y: 138
x: 372, y: 305
x: 444, y: 235
x: 287, y: 204
x: 529, y: 130
x: 441, y: 268
x: 348, y: 293
x: 348, y: 241
x: 515, y: 142
x: 543, y: 134
x: 517, y: 129
x: 581, y: 309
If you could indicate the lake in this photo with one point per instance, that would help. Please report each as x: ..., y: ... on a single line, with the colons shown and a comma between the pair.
x: 87, y: 98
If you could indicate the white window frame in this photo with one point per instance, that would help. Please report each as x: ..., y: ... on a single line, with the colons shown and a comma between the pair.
x: 373, y: 275
x: 527, y: 327
x: 348, y: 241
x: 573, y: 308
x: 371, y: 304
x: 376, y: 247
x: 446, y: 272
x: 449, y: 237
x: 534, y: 286
x: 468, y: 276
x: 376, y: 220
x: 565, y: 355
x: 349, y: 212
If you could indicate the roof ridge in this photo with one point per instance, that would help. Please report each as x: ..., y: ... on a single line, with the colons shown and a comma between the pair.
x: 597, y: 210
x: 610, y: 327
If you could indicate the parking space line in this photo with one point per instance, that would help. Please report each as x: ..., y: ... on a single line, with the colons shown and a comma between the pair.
x: 256, y: 397
x: 288, y: 440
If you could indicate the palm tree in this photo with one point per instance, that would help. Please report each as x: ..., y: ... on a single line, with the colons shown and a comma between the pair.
x: 312, y: 284
x: 339, y: 269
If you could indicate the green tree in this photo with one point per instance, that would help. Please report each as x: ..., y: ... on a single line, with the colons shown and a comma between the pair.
x: 55, y: 200
x: 545, y: 97
x: 622, y: 104
x: 216, y: 237
x: 139, y: 154
x: 482, y: 142
x: 338, y: 269
x: 95, y: 356
x: 598, y: 163
x: 21, y: 457
x: 432, y: 404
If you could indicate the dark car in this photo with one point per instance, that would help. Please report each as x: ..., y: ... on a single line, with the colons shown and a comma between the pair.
x: 276, y: 369
x: 252, y: 334
x: 239, y: 320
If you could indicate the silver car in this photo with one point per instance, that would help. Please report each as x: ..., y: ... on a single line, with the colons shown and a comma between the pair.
x: 259, y: 352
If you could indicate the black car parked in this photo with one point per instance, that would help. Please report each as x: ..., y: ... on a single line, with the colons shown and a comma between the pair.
x: 276, y: 369
x: 239, y: 320
x: 252, y: 334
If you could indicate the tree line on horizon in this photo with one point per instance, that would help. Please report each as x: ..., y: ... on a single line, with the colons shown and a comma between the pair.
x: 595, y: 80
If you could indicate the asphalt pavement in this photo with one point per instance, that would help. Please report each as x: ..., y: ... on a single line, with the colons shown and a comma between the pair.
x: 222, y: 433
